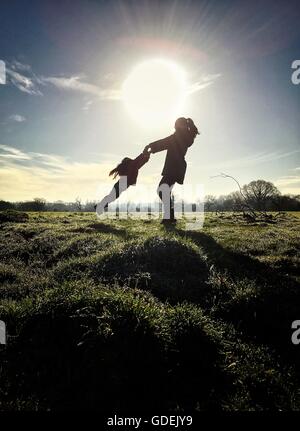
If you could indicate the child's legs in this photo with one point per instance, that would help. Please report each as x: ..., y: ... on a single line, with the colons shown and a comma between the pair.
x: 119, y: 187
x: 115, y: 192
x: 113, y: 195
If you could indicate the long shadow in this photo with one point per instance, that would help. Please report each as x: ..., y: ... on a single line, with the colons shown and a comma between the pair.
x: 266, y: 315
x: 236, y: 264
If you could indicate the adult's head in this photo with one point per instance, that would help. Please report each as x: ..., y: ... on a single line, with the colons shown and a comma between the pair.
x: 186, y: 125
x: 181, y: 124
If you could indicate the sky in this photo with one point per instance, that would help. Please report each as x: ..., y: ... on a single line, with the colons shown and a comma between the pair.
x: 63, y: 120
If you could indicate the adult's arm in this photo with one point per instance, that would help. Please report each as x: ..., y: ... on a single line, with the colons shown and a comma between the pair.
x: 160, y: 145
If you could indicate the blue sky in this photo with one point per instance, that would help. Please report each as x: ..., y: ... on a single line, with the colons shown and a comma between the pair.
x: 64, y: 124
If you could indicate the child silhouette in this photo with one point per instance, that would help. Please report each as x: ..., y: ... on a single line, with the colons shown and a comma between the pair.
x: 127, y: 170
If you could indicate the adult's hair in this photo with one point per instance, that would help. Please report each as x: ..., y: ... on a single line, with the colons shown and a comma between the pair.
x: 191, y: 127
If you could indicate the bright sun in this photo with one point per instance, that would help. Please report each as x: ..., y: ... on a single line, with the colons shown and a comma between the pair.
x: 154, y: 92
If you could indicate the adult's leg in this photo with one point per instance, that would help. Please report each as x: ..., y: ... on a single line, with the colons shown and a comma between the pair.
x: 164, y: 192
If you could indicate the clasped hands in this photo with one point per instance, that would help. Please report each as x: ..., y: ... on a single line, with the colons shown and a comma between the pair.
x: 147, y: 148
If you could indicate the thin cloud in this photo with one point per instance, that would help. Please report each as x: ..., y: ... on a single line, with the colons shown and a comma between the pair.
x: 289, y: 184
x: 87, y: 105
x: 12, y: 153
x: 27, y: 175
x: 75, y: 83
x: 289, y: 180
x: 255, y: 159
x: 17, y: 65
x: 17, y: 118
x: 24, y: 175
x: 21, y: 76
x: 204, y: 82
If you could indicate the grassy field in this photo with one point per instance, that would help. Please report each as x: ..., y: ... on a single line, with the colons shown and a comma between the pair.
x: 130, y: 315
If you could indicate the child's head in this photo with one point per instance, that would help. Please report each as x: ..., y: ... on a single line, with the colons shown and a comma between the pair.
x: 125, y: 161
x: 122, y: 168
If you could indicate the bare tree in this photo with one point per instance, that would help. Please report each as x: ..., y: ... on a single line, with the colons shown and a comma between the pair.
x: 253, y: 197
x: 210, y: 202
x: 258, y: 193
x: 237, y: 201
x: 239, y: 198
x: 78, y: 204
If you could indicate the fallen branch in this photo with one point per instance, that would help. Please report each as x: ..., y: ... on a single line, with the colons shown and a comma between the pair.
x: 246, y: 204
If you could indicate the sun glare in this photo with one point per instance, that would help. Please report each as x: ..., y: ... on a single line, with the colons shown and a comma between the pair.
x: 154, y: 92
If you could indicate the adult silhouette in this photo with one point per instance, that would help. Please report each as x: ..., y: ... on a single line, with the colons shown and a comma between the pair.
x: 175, y: 165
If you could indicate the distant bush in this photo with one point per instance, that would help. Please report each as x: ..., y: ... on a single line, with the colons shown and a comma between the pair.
x: 4, y: 205
x: 38, y: 204
x: 13, y: 216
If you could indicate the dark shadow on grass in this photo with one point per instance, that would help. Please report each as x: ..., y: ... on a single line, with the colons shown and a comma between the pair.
x: 171, y: 270
x: 113, y: 350
x: 236, y: 264
x: 265, y: 314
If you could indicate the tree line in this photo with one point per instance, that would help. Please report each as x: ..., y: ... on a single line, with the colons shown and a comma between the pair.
x: 258, y: 195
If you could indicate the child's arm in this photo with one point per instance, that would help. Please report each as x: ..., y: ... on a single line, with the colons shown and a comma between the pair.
x: 141, y: 160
